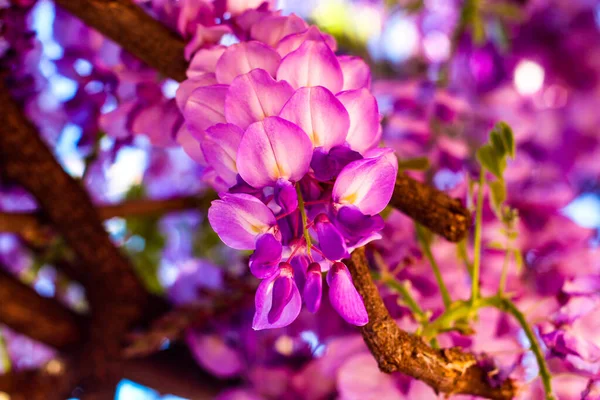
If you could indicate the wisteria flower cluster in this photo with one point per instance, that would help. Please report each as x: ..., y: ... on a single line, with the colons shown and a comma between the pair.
x: 289, y: 133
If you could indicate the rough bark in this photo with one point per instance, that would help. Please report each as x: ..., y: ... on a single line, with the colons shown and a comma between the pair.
x: 431, y: 208
x: 117, y: 298
x: 40, y: 318
x: 449, y: 371
x: 134, y: 30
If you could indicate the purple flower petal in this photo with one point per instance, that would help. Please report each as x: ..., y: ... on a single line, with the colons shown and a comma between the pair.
x: 219, y: 146
x: 213, y: 354
x: 365, y: 130
x: 343, y: 296
x: 357, y: 74
x: 242, y: 58
x: 282, y: 294
x: 331, y: 241
x: 327, y: 165
x: 271, y: 29
x: 312, y: 64
x: 239, y: 218
x: 263, y: 302
x: 272, y: 149
x: 367, y: 184
x: 286, y: 196
x: 205, y: 107
x: 265, y: 259
x: 292, y: 42
x: 255, y: 96
x: 313, y: 288
x: 320, y: 114
x: 354, y: 224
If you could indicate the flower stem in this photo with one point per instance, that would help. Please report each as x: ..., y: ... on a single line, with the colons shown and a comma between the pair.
x: 508, y: 306
x: 404, y: 291
x: 434, y: 266
x: 477, y: 240
x: 304, y: 220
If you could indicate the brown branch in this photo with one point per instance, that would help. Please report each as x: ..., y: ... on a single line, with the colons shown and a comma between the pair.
x: 29, y: 223
x: 116, y: 296
x: 40, y: 318
x: 448, y: 370
x: 135, y: 31
x: 431, y: 208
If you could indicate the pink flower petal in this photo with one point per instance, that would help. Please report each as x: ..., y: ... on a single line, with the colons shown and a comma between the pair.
x: 239, y: 219
x: 205, y: 60
x: 365, y: 130
x: 367, y: 184
x: 243, y: 57
x: 205, y: 107
x: 255, y: 96
x: 357, y: 74
x: 312, y: 64
x: 272, y: 149
x: 293, y: 41
x: 272, y: 29
x: 219, y: 146
x: 320, y: 114
x: 190, y: 144
x: 264, y: 301
x: 186, y: 87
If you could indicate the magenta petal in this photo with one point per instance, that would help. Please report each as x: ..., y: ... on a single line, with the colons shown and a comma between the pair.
x: 357, y: 74
x: 320, y: 114
x: 213, y: 354
x: 263, y: 301
x: 265, y: 259
x: 243, y: 57
x: 205, y: 107
x: 365, y: 130
x: 219, y: 146
x: 204, y: 36
x: 367, y: 184
x: 331, y: 241
x: 271, y: 29
x: 312, y: 64
x: 272, y: 149
x: 292, y: 42
x: 255, y: 96
x: 343, y: 295
x: 205, y: 60
x: 186, y: 87
x: 313, y: 288
x: 239, y: 218
x: 286, y: 196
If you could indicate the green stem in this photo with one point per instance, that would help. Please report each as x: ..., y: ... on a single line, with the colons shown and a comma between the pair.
x: 304, y: 219
x: 6, y: 363
x: 404, y: 291
x: 508, y: 306
x: 434, y: 266
x: 477, y: 239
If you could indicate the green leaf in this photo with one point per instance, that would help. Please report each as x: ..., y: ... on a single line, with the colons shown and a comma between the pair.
x: 414, y: 164
x: 498, y: 194
x: 489, y: 160
x: 478, y: 27
x: 498, y: 143
x: 507, y: 137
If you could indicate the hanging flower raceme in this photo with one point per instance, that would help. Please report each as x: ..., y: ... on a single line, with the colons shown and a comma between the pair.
x: 289, y: 135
